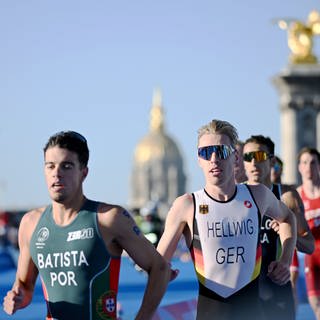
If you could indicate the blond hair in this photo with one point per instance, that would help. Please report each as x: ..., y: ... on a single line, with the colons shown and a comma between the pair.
x: 220, y: 127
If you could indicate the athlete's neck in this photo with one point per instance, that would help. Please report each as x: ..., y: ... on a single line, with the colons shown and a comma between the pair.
x: 64, y: 213
x: 267, y: 182
x: 221, y: 193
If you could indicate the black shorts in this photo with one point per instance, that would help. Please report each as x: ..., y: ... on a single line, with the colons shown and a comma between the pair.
x: 277, y: 301
x: 243, y: 305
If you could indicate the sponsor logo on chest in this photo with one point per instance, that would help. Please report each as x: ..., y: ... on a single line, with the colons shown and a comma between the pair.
x: 80, y: 234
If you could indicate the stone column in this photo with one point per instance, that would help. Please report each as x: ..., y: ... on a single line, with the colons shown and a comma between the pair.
x: 299, y: 95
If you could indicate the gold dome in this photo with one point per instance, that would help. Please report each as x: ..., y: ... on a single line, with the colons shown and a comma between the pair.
x: 157, y: 173
x: 156, y: 144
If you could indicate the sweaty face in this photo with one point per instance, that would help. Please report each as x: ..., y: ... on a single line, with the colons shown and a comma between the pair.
x: 257, y: 171
x: 63, y: 173
x: 216, y: 170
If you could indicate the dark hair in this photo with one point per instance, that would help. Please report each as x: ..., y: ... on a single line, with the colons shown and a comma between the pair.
x: 260, y: 139
x: 312, y: 151
x: 72, y: 141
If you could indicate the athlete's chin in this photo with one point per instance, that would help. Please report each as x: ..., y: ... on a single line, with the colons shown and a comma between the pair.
x: 254, y: 180
x: 216, y: 179
x: 60, y: 198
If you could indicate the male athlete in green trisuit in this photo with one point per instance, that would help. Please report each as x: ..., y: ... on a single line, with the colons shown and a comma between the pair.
x: 75, y: 244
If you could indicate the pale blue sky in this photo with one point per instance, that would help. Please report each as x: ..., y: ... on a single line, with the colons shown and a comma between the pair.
x: 92, y: 66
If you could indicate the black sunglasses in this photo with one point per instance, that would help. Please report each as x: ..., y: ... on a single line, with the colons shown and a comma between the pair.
x: 222, y: 151
x: 258, y: 156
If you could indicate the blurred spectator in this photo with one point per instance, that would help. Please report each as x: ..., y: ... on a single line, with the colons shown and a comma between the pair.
x: 9, y: 225
x: 276, y: 170
x: 149, y: 222
x: 4, y: 219
x: 239, y: 171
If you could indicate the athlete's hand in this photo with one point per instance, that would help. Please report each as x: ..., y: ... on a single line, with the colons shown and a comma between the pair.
x: 13, y: 300
x: 279, y: 272
x: 174, y: 273
x: 275, y: 226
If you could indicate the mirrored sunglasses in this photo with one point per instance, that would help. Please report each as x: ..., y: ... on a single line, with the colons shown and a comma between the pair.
x: 222, y: 151
x: 258, y: 156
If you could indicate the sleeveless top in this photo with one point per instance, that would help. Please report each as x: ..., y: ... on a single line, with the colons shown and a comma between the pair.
x: 270, y: 240
x: 277, y: 301
x: 312, y: 214
x: 79, y: 277
x: 225, y: 246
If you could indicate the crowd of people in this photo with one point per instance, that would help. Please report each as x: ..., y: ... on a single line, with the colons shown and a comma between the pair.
x: 243, y: 230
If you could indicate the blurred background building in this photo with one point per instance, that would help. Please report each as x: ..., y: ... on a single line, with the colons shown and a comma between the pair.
x: 158, y: 174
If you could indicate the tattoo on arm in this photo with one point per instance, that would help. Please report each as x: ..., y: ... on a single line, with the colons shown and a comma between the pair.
x: 136, y: 230
x: 126, y: 214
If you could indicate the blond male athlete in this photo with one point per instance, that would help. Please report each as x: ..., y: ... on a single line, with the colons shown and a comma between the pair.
x: 221, y: 224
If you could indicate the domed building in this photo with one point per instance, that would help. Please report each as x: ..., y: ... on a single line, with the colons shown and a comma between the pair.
x: 157, y: 175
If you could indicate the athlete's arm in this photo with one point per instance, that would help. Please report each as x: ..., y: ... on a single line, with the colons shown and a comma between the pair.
x: 178, y: 222
x: 305, y: 239
x: 127, y: 236
x: 22, y: 290
x: 279, y: 271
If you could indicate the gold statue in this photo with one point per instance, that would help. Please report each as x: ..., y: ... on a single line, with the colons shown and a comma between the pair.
x: 300, y: 37
x: 156, y: 113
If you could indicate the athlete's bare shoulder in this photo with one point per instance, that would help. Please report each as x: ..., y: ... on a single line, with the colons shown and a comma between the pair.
x: 32, y: 217
x: 182, y: 209
x: 115, y: 222
x: 291, y: 197
x: 185, y: 200
x: 109, y: 208
x: 109, y: 214
x: 29, y: 221
x: 290, y: 190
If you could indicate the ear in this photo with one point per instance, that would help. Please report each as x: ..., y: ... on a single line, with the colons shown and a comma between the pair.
x: 85, y: 173
x: 272, y: 161
x: 237, y: 156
